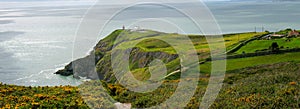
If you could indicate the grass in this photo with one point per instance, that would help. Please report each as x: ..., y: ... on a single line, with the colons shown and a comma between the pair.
x: 256, y: 45
x: 149, y: 44
x: 267, y: 86
x: 153, y: 41
x: 143, y: 74
x: 233, y: 39
x: 12, y: 96
x: 234, y: 64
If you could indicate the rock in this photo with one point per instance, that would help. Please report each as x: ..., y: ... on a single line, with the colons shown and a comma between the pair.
x: 67, y: 71
x: 64, y: 72
x: 123, y: 105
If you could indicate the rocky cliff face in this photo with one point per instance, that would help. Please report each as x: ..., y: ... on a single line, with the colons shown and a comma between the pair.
x: 84, y: 67
x: 138, y: 59
x: 97, y: 65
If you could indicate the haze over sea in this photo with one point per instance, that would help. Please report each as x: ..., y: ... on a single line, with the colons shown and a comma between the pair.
x: 36, y: 37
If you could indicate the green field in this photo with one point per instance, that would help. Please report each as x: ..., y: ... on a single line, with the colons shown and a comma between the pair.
x: 231, y: 40
x: 153, y: 41
x: 253, y: 46
x: 234, y: 64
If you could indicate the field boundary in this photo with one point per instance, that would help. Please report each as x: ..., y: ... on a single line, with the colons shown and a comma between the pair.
x: 243, y: 43
x: 260, y: 53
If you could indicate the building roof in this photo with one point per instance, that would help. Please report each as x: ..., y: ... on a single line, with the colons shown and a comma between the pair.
x: 277, y: 35
x: 293, y: 32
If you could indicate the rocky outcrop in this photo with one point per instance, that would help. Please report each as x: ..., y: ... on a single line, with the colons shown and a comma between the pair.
x: 67, y: 71
x: 92, y: 68
x: 138, y: 59
x: 97, y: 65
x: 84, y: 67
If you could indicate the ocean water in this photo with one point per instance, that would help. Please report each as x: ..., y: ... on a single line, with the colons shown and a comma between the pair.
x: 245, y: 16
x: 36, y: 38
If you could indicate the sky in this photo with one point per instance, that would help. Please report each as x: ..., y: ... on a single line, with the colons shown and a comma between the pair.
x: 90, y: 2
x: 108, y: 1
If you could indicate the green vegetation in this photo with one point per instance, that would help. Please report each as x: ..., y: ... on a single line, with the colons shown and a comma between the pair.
x: 286, y: 31
x: 232, y: 40
x: 260, y: 45
x: 149, y: 45
x: 239, y: 63
x: 265, y: 86
x: 152, y: 41
x: 12, y: 96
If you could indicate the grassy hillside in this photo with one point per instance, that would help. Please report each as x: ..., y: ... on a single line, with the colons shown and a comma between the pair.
x: 152, y: 41
x: 265, y: 86
x: 148, y: 45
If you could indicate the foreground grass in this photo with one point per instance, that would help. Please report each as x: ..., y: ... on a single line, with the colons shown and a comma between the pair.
x: 265, y: 86
x: 12, y: 96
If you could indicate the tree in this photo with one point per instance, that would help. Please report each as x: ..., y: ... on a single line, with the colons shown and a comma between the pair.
x: 274, y: 47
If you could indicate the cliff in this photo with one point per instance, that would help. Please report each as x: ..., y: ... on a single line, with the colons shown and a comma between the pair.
x: 97, y: 65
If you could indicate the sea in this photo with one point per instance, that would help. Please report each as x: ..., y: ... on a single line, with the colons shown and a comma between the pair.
x: 37, y: 37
